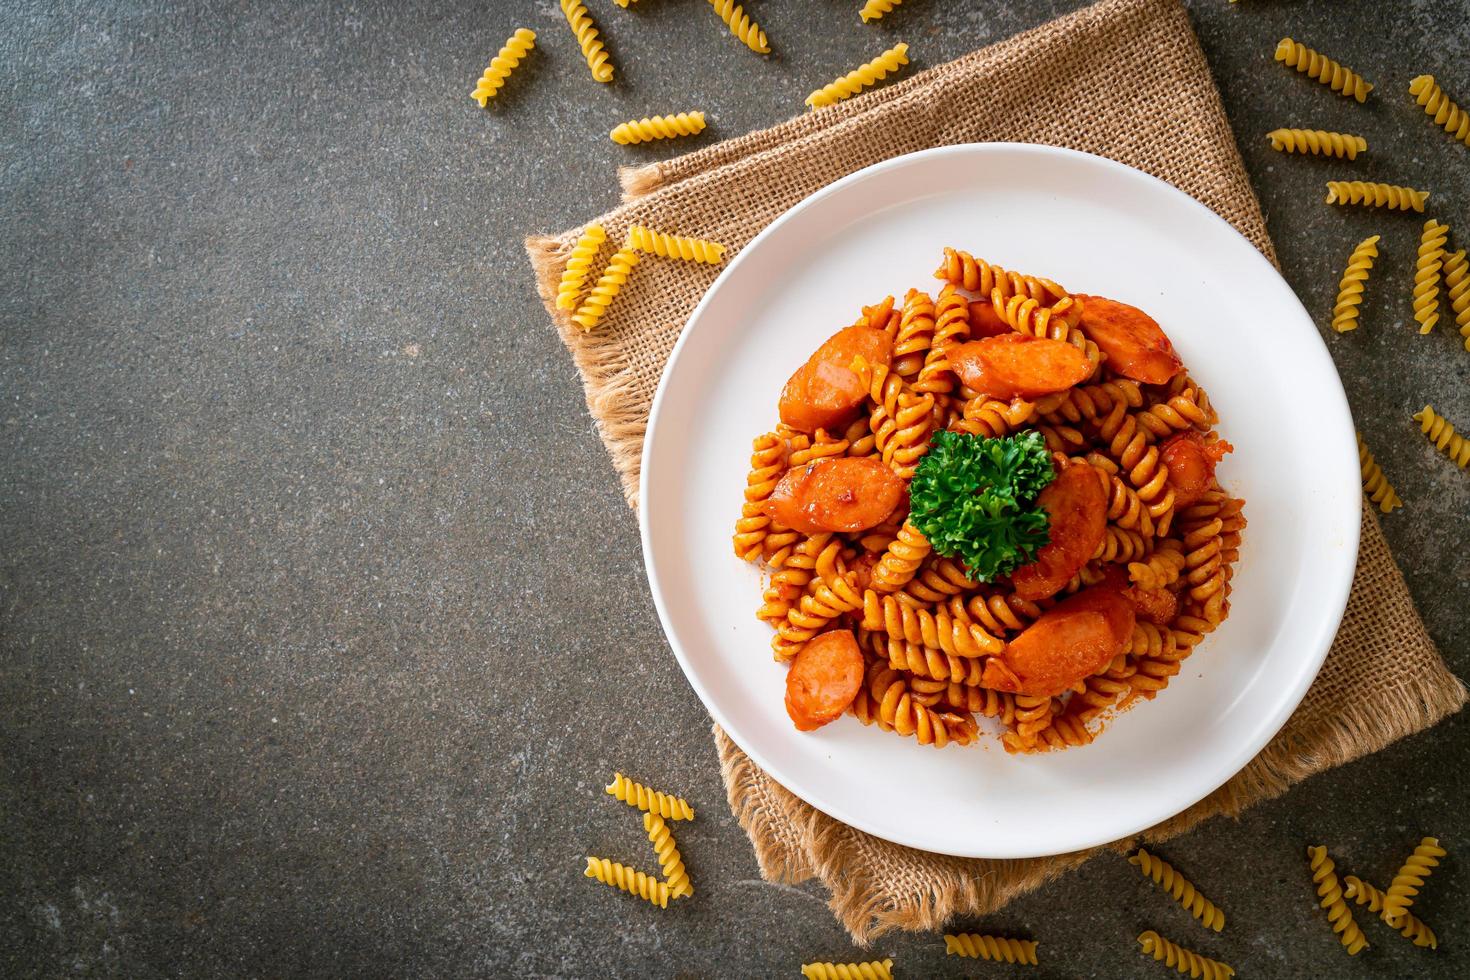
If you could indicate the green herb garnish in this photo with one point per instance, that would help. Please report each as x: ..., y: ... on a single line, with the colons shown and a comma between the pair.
x: 974, y: 498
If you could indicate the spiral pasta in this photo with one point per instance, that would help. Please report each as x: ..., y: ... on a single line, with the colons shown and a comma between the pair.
x: 1443, y: 435
x: 1457, y: 291
x: 1338, y: 914
x: 888, y: 700
x: 1427, y: 267
x: 1179, y: 888
x: 740, y: 24
x: 915, y: 335
x: 609, y: 284
x: 629, y: 880
x: 1161, y: 569
x: 637, y: 795
x: 676, y: 876
x: 1181, y: 959
x: 1410, y: 878
x: 875, y: 9
x: 1350, y: 289
x: 511, y: 54
x: 825, y: 600
x: 579, y: 263
x: 1390, y: 196
x: 658, y: 128
x: 675, y: 246
x: 1318, y: 142
x: 872, y: 970
x: 767, y: 463
x: 902, y: 559
x: 937, y: 628
x: 1336, y: 77
x: 1408, y: 926
x: 860, y: 78
x: 585, y: 28
x: 1437, y: 106
x: 980, y: 947
x: 1375, y: 484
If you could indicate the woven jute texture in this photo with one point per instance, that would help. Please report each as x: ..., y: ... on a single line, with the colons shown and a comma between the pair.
x: 1125, y: 79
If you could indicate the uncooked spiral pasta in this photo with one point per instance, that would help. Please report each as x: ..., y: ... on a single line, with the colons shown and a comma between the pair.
x: 585, y: 28
x: 676, y: 876
x: 1330, y: 892
x: 860, y: 78
x: 1410, y: 878
x: 1350, y: 289
x: 1375, y: 484
x: 633, y: 882
x: 1427, y: 268
x: 1457, y: 291
x: 1391, y: 196
x: 740, y: 24
x: 675, y: 246
x: 1408, y: 926
x: 1318, y: 142
x: 1181, y: 959
x: 1437, y: 106
x: 875, y: 9
x: 609, y: 284
x: 871, y: 970
x: 982, y: 947
x: 1443, y: 435
x: 511, y: 54
x: 1179, y: 888
x: 637, y: 795
x: 658, y: 128
x: 579, y: 263
x: 1336, y: 77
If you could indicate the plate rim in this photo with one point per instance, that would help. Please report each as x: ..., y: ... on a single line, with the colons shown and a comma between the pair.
x: 1340, y: 589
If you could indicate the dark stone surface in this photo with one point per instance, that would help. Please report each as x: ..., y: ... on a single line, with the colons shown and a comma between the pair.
x: 322, y: 620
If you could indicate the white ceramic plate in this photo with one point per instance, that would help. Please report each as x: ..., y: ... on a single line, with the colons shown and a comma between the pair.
x: 1097, y: 227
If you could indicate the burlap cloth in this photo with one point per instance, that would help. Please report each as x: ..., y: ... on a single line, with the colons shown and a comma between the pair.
x: 1125, y: 79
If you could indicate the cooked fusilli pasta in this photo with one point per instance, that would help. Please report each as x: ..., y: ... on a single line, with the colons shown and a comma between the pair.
x: 901, y: 561
x: 1457, y: 291
x: 1323, y: 69
x: 875, y: 9
x: 1410, y: 878
x: 609, y: 284
x: 767, y: 463
x: 1350, y: 289
x: 981, y: 947
x: 1426, y: 274
x: 676, y: 876
x: 1408, y: 926
x: 1318, y: 142
x: 1443, y: 435
x: 633, y: 882
x: 860, y: 78
x: 1181, y: 959
x: 915, y: 335
x: 887, y: 699
x: 1338, y: 914
x: 637, y: 795
x: 1179, y: 888
x: 1389, y: 196
x: 1375, y: 484
x: 585, y: 28
x: 740, y: 24
x: 579, y: 263
x: 511, y: 54
x: 872, y: 970
x: 1437, y: 106
x: 658, y: 128
x: 675, y: 246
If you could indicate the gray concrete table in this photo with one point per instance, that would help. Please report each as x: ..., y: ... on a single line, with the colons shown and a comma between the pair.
x: 322, y: 620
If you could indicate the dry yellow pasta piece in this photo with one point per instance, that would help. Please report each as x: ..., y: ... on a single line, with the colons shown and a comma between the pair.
x: 1179, y: 888
x: 611, y: 282
x: 1390, y: 196
x: 1409, y: 927
x: 875, y: 9
x: 676, y: 876
x: 1350, y: 289
x: 740, y: 24
x: 1426, y: 274
x: 1338, y: 914
x: 980, y: 947
x: 579, y: 263
x: 1375, y: 484
x: 585, y: 28
x: 629, y: 880
x: 1445, y: 439
x: 637, y: 795
x: 1335, y: 76
x: 1183, y: 960
x: 1437, y: 106
x: 872, y: 970
x: 1421, y: 863
x: 658, y: 128
x: 1457, y: 291
x: 675, y: 246
x: 861, y: 77
x: 511, y: 54
x: 1318, y: 142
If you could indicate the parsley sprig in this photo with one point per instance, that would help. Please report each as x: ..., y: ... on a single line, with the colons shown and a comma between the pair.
x: 974, y: 498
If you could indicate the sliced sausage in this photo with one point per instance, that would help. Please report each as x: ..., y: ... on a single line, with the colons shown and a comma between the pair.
x: 1067, y: 644
x: 1191, y: 463
x: 1136, y: 345
x: 1076, y: 504
x: 1017, y: 366
x: 824, y: 393
x: 1158, y: 606
x: 985, y: 322
x: 839, y: 493
x: 824, y: 678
